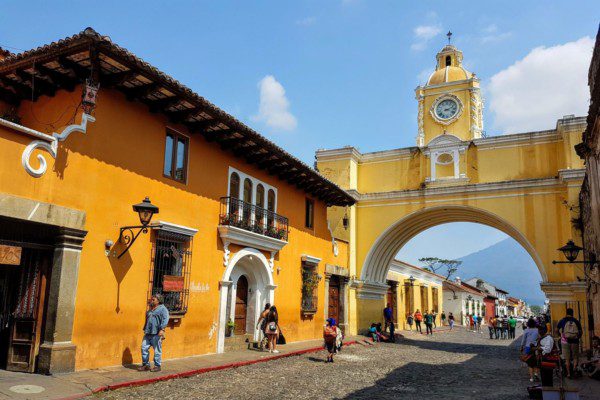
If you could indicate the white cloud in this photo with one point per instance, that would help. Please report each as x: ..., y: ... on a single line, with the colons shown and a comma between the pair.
x: 545, y: 85
x: 274, y: 106
x: 492, y: 34
x: 423, y: 34
x: 308, y: 21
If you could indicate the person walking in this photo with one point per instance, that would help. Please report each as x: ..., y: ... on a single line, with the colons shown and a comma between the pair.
x: 530, y: 337
x: 570, y: 334
x: 474, y: 317
x: 418, y: 319
x: 428, y: 317
x: 545, y: 348
x: 272, y: 329
x: 330, y: 333
x: 434, y: 313
x: 409, y: 321
x: 261, y: 325
x: 443, y: 316
x: 505, y: 327
x: 492, y: 327
x: 512, y: 326
x: 498, y: 327
x: 451, y: 320
x: 157, y: 318
x: 387, y: 316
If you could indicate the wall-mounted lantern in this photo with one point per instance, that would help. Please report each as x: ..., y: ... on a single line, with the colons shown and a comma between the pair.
x: 411, y: 280
x: 571, y: 251
x: 145, y: 211
x: 345, y: 219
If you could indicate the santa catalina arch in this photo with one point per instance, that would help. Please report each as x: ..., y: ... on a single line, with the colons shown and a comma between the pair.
x: 524, y: 184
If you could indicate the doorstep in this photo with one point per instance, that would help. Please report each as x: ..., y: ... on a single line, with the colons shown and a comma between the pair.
x: 76, y: 385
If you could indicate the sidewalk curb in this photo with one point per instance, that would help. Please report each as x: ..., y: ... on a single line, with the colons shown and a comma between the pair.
x: 186, y: 374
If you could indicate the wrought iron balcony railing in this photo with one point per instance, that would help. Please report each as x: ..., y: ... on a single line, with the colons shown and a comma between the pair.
x: 238, y: 213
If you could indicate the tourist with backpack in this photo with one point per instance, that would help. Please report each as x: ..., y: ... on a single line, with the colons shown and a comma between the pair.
x: 570, y: 333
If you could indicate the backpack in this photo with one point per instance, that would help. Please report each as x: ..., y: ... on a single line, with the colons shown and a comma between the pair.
x: 570, y: 330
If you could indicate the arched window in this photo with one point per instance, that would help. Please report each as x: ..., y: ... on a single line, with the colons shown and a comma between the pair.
x: 260, y: 195
x: 448, y: 61
x: 247, y: 213
x: 260, y: 203
x: 270, y: 207
x: 247, y: 190
x: 234, y: 185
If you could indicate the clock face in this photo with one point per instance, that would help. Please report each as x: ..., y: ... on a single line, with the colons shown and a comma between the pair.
x: 446, y: 109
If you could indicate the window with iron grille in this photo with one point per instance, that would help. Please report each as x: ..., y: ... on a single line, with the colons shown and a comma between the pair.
x: 310, y: 284
x: 170, y: 271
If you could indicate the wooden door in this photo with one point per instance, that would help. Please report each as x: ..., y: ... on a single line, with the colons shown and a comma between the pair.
x: 27, y: 316
x: 392, y: 300
x: 334, y: 300
x: 241, y: 306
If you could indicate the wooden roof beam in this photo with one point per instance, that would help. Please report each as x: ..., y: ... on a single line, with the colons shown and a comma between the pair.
x: 58, y: 78
x: 117, y: 78
x: 41, y: 86
x: 183, y: 115
x: 21, y: 89
x: 202, y: 126
x: 161, y: 105
x: 9, y: 97
x: 140, y: 92
x: 81, y: 72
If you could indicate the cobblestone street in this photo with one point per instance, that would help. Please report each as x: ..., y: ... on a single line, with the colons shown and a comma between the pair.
x: 449, y: 365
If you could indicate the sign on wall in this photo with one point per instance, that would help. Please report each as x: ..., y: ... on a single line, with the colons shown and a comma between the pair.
x: 10, y: 255
x: 172, y: 283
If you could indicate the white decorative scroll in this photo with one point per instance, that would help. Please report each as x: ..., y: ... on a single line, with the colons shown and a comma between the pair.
x: 26, y: 157
x: 421, y: 134
x: 476, y: 113
x: 226, y: 254
x: 51, y: 146
x: 272, y: 261
x: 333, y: 241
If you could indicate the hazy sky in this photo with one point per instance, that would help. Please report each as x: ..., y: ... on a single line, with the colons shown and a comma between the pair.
x: 314, y: 74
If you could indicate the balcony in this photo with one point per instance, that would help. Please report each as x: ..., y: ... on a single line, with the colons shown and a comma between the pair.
x: 245, y: 224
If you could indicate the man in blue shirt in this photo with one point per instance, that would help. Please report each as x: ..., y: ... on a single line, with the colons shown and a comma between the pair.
x: 387, y: 316
x: 157, y: 318
x: 570, y: 333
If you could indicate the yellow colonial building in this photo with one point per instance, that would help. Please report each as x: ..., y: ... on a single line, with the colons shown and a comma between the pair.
x: 239, y: 222
x: 413, y: 289
x: 524, y: 184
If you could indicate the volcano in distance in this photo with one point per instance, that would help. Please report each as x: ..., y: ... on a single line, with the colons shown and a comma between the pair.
x: 508, y: 266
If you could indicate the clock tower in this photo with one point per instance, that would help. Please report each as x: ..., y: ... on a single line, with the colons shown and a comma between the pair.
x: 450, y: 102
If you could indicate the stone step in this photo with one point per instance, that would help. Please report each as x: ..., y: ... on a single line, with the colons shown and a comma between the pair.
x: 238, y: 342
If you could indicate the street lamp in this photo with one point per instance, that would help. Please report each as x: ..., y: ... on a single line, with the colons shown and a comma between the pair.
x: 411, y: 280
x: 345, y: 219
x: 571, y: 251
x: 145, y: 211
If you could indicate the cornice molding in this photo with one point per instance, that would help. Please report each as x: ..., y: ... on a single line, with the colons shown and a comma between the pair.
x: 518, y: 138
x: 568, y: 175
x: 459, y: 189
x: 170, y: 227
x: 418, y: 273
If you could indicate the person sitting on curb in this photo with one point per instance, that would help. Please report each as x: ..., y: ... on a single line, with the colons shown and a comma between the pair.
x: 157, y: 318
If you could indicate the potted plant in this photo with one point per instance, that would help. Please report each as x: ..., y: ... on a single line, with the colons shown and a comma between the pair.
x: 230, y: 328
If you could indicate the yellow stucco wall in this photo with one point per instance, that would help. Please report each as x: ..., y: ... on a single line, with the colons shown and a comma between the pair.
x: 115, y: 164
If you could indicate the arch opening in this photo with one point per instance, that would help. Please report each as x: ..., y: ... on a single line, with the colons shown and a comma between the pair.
x: 377, y: 263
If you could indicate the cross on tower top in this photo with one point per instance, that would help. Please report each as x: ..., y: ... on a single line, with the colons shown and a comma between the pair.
x: 449, y: 34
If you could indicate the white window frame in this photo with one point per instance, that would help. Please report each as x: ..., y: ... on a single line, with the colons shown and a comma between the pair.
x: 255, y: 182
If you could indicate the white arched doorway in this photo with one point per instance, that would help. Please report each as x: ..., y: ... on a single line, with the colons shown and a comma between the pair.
x: 252, y: 268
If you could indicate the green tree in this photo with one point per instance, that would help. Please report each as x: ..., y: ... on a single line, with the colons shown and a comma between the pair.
x: 537, y: 310
x: 435, y: 264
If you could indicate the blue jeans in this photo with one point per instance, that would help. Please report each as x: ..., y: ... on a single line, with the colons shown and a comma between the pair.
x: 154, y: 342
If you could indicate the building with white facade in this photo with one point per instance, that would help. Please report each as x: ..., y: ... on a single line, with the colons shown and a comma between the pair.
x: 501, y: 307
x: 462, y: 300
